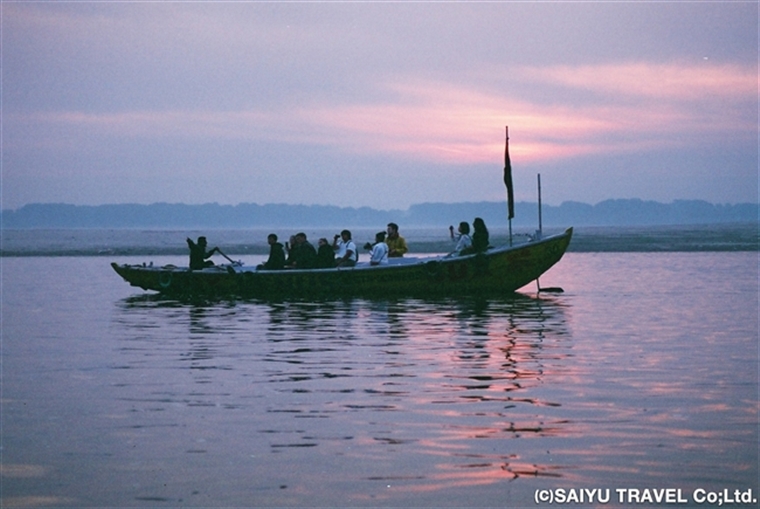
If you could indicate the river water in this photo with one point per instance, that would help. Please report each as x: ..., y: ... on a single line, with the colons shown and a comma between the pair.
x: 642, y: 375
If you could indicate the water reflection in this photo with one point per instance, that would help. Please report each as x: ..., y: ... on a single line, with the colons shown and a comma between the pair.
x: 428, y: 394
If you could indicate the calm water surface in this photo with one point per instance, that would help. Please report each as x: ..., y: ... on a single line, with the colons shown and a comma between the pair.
x: 643, y: 374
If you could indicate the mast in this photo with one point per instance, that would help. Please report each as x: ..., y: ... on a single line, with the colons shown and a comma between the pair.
x: 540, y: 222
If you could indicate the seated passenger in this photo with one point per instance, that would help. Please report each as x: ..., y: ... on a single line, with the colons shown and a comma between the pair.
x: 464, y: 242
x: 303, y: 255
x: 479, y: 236
x: 348, y: 248
x: 289, y: 246
x: 396, y: 243
x: 325, y: 255
x: 276, y: 259
x: 379, y: 250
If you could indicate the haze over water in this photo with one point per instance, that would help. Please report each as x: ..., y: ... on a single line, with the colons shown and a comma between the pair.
x: 643, y: 374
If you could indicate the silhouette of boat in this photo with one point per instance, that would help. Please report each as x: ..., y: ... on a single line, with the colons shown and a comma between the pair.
x: 499, y: 270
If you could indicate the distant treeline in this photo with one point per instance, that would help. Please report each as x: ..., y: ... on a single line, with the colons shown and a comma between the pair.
x: 632, y: 212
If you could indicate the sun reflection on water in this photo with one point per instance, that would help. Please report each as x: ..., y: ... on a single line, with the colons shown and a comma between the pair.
x: 432, y: 394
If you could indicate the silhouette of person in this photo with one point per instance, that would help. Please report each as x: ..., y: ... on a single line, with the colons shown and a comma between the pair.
x: 325, y: 255
x: 303, y: 254
x: 198, y: 254
x: 479, y: 236
x: 276, y: 260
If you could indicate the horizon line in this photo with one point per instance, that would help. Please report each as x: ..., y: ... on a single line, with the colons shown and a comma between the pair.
x: 641, y: 200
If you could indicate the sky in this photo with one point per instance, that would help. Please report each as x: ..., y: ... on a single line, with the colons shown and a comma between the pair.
x: 379, y: 104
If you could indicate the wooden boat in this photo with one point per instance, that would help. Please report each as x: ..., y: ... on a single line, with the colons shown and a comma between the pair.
x: 497, y: 271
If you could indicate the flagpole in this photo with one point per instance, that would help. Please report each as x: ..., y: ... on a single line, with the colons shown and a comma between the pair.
x: 540, y: 222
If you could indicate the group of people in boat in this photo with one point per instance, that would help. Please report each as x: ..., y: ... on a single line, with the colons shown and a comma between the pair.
x: 299, y: 253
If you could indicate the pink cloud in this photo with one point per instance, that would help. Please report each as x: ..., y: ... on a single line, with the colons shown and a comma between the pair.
x: 454, y: 124
x: 458, y: 125
x: 664, y: 81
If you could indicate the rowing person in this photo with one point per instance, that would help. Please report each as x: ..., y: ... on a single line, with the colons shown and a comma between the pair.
x: 199, y: 257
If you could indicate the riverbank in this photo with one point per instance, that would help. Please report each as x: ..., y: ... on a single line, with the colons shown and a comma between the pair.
x: 132, y: 242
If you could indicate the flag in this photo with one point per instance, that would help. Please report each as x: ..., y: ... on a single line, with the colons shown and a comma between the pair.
x: 508, y: 179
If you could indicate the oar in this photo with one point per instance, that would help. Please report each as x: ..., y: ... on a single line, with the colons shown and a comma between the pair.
x: 551, y: 289
x: 233, y: 262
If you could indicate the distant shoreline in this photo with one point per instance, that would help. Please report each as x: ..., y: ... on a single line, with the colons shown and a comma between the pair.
x: 734, y: 237
x: 628, y: 212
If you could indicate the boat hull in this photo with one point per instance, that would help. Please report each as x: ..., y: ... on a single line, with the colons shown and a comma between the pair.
x: 500, y: 270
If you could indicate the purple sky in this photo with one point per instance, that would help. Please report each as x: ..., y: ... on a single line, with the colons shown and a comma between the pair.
x: 378, y: 104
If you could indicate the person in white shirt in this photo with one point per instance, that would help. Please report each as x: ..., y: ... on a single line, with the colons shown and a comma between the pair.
x: 348, y: 255
x: 463, y: 240
x: 379, y: 253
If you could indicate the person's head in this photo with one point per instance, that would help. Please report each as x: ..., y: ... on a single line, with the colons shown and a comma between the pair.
x: 464, y: 228
x: 345, y: 235
x: 380, y: 237
x: 392, y: 229
x: 300, y: 238
x: 272, y: 238
x: 202, y: 241
x: 479, y: 224
x: 322, y: 241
